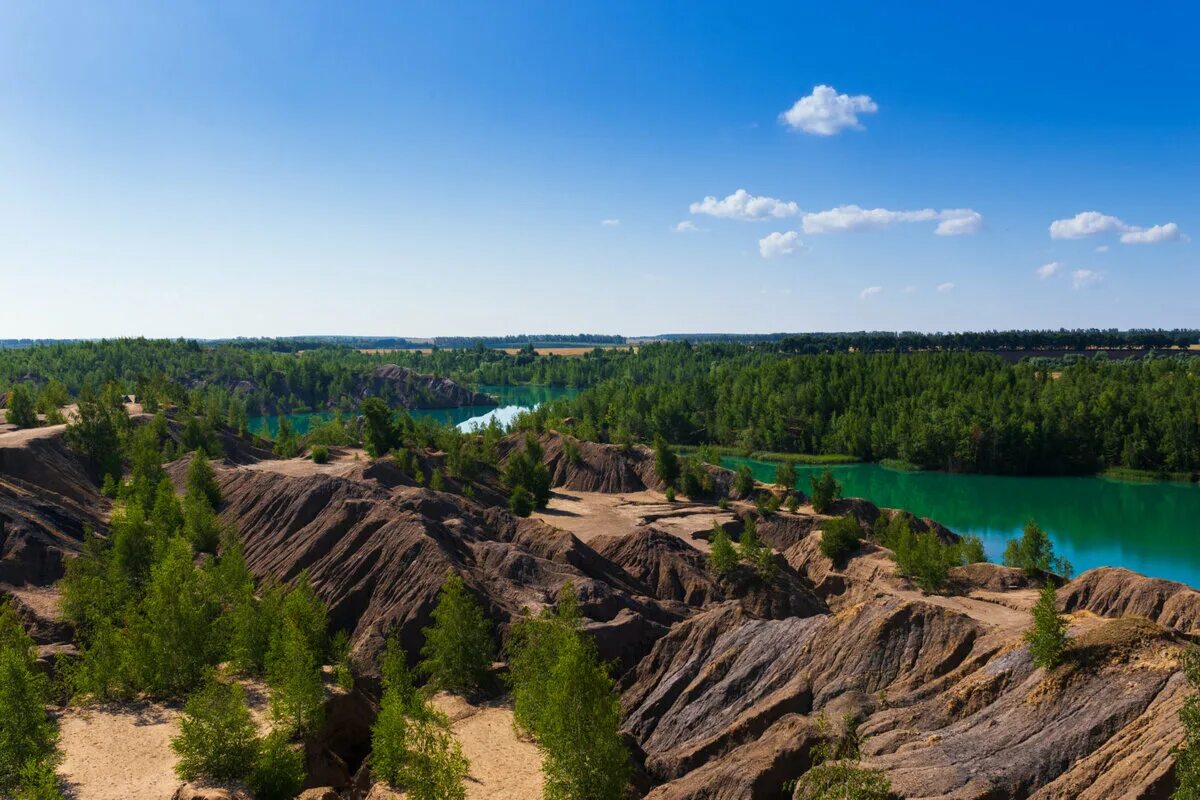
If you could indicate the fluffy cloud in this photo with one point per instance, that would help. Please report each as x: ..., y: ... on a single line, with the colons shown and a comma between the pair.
x: 1083, y: 278
x: 945, y: 287
x: 778, y: 244
x: 1152, y: 235
x: 610, y: 223
x: 959, y: 222
x: 951, y: 221
x: 687, y: 226
x: 1049, y: 270
x: 825, y: 112
x: 1102, y: 248
x: 745, y: 206
x: 870, y: 291
x: 1091, y: 223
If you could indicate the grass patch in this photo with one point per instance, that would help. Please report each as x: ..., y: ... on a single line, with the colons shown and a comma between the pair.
x: 769, y: 455
x: 1147, y: 475
x: 899, y: 465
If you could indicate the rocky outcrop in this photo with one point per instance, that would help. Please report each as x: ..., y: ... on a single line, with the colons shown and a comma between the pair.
x: 403, y: 388
x: 47, y: 500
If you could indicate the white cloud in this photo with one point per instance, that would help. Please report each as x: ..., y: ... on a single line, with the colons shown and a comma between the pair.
x: 1090, y: 223
x: 745, y: 206
x: 825, y: 112
x: 1049, y: 270
x: 959, y: 222
x: 1102, y: 248
x: 610, y: 223
x: 945, y: 287
x: 1152, y: 235
x: 1083, y: 278
x: 687, y: 226
x: 778, y: 244
x: 870, y: 291
x: 951, y: 221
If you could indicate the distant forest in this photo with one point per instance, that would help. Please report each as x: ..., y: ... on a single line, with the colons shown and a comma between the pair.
x: 959, y: 411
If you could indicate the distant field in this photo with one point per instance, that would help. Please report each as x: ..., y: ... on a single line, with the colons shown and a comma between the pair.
x: 572, y: 351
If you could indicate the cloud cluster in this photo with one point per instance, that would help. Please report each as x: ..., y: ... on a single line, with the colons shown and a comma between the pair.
x: 1091, y: 223
x: 945, y: 287
x: 951, y: 221
x: 777, y: 244
x: 826, y: 113
x: 870, y: 291
x: 1083, y: 278
x: 1046, y: 271
x: 610, y: 223
x: 745, y: 206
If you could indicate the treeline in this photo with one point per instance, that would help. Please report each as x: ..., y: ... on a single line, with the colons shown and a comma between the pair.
x: 911, y: 341
x: 952, y: 411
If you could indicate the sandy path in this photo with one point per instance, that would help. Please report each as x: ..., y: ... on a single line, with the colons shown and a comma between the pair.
x: 590, y: 515
x: 118, y: 752
x: 503, y: 767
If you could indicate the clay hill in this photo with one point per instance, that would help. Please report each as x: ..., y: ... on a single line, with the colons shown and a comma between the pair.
x: 403, y: 388
x: 724, y: 682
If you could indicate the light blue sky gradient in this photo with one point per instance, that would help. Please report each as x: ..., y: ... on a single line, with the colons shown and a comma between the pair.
x: 233, y: 168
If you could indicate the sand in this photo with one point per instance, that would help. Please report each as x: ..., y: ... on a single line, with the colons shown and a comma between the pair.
x: 118, y: 752
x: 503, y: 766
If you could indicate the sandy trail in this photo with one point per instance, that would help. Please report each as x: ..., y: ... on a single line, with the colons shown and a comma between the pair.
x: 118, y: 752
x: 590, y: 515
x: 503, y: 766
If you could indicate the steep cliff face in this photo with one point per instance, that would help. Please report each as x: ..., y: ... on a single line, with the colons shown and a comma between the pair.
x: 404, y: 388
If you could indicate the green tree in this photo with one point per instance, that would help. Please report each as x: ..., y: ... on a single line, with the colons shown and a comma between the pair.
x: 840, y: 537
x: 785, y: 475
x: 21, y: 410
x: 27, y: 734
x: 666, y: 463
x: 743, y: 481
x: 526, y: 469
x: 1034, y: 553
x: 521, y: 502
x: 95, y: 434
x: 1047, y: 637
x: 294, y: 675
x: 825, y: 491
x: 722, y: 558
x: 1187, y: 753
x: 217, y: 739
x: 52, y: 399
x: 533, y: 646
x: 378, y: 431
x: 202, y: 481
x: 278, y: 772
x: 748, y: 543
x: 459, y: 647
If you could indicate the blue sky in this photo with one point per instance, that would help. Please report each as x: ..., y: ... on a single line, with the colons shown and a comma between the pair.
x: 216, y: 169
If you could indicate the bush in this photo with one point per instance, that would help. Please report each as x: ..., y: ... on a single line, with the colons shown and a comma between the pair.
x: 840, y: 537
x: 319, y: 454
x: 666, y: 463
x: 785, y: 475
x: 533, y: 646
x: 27, y: 734
x: 1187, y: 754
x: 825, y: 491
x: 1034, y: 553
x: 1047, y: 637
x: 971, y: 550
x: 743, y: 481
x: 526, y: 470
x: 459, y: 647
x: 21, y: 409
x: 39, y: 781
x: 843, y: 781
x: 201, y: 481
x: 748, y: 544
x: 278, y: 771
x: 521, y: 502
x: 435, y: 481
x: 216, y: 738
x: 793, y: 502
x: 722, y: 558
x: 670, y: 494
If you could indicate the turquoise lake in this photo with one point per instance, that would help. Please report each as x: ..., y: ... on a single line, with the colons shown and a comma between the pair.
x: 1151, y: 528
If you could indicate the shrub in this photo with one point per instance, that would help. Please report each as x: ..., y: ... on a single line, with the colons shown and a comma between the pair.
x: 748, y: 544
x: 785, y: 475
x: 526, y: 470
x: 971, y: 550
x: 459, y: 647
x: 723, y: 504
x: 38, y: 781
x: 843, y: 781
x: 1187, y: 754
x: 27, y: 735
x: 21, y: 409
x: 201, y: 481
x: 433, y: 767
x: 521, y: 502
x: 1047, y: 637
x: 435, y: 481
x: 722, y: 558
x: 840, y: 537
x: 666, y: 463
x: 670, y: 494
x: 1034, y: 553
x: 793, y: 502
x: 339, y: 650
x: 533, y: 646
x: 571, y: 450
x: 279, y: 769
x: 743, y: 481
x: 319, y: 454
x: 216, y: 737
x: 825, y: 491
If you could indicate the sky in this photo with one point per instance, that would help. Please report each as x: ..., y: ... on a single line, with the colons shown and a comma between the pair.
x: 215, y: 169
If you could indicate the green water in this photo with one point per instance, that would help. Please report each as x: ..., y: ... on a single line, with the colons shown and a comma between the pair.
x: 513, y: 400
x: 1151, y: 528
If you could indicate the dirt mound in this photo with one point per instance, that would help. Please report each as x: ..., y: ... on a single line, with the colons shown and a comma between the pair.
x: 378, y: 557
x: 1115, y: 592
x: 404, y: 388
